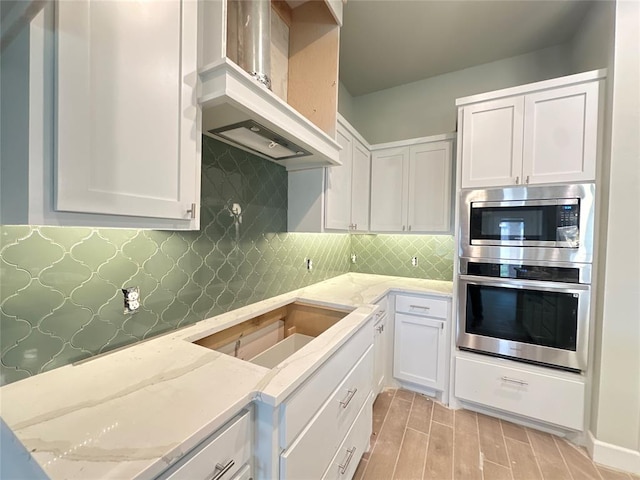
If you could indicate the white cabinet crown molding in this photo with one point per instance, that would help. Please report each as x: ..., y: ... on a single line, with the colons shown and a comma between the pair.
x: 414, y: 141
x: 537, y: 86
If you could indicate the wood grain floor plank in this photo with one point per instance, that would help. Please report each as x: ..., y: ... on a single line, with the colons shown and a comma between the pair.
x: 517, y: 432
x: 493, y: 471
x: 360, y: 471
x: 580, y: 465
x: 380, y: 409
x: 523, y: 462
x: 412, y: 456
x: 466, y: 446
x: 403, y: 394
x: 608, y: 474
x: 442, y: 414
x: 439, y: 463
x: 492, y: 441
x: 550, y: 461
x: 384, y: 455
x: 420, y: 417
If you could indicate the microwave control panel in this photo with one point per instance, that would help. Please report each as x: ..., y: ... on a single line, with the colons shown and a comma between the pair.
x: 568, y: 215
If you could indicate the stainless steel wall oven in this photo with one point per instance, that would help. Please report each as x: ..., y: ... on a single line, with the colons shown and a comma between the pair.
x: 525, y: 273
x: 525, y: 311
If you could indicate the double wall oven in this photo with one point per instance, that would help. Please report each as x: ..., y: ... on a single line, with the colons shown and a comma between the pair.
x: 525, y: 273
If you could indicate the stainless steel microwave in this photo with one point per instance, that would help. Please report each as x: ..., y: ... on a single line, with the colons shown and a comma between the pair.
x: 544, y: 223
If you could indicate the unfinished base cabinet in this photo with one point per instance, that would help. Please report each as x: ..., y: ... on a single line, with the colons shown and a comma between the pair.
x: 545, y: 132
x: 420, y: 341
x: 411, y: 185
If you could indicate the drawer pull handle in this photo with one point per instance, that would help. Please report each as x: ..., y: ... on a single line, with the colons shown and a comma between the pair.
x: 422, y: 307
x: 221, y: 470
x: 351, y: 394
x: 514, y: 380
x: 343, y: 466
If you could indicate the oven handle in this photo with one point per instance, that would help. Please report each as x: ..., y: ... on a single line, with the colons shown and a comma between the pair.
x: 530, y: 284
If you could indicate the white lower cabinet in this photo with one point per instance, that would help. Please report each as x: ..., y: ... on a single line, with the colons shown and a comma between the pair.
x: 381, y: 347
x: 226, y: 453
x: 312, y: 451
x: 347, y: 457
x: 530, y: 391
x: 420, y: 341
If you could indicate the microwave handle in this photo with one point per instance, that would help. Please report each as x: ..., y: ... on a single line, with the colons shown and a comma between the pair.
x: 522, y: 284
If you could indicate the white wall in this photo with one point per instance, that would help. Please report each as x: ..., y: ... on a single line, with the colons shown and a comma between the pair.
x: 427, y: 107
x: 616, y: 413
x: 345, y: 103
x: 592, y: 46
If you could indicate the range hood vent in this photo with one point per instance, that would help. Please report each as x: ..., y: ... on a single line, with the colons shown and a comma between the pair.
x: 253, y: 136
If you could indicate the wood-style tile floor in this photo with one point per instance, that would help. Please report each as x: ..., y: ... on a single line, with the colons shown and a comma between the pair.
x: 415, y: 437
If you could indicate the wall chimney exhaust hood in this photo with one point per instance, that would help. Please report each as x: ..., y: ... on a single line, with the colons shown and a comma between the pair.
x: 238, y: 107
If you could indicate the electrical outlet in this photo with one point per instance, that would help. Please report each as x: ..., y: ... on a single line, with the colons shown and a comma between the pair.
x: 414, y: 261
x: 131, y: 299
x: 353, y: 258
x: 309, y: 263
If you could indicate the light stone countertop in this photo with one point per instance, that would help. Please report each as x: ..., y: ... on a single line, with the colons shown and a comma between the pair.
x: 132, y: 412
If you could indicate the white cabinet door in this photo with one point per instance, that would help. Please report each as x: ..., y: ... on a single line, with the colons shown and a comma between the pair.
x: 561, y: 134
x: 128, y: 139
x: 380, y: 354
x: 338, y: 186
x: 429, y: 201
x: 360, y: 186
x: 492, y: 143
x: 419, y: 350
x: 388, y: 189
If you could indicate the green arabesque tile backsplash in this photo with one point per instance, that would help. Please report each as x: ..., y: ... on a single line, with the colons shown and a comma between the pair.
x: 60, y: 298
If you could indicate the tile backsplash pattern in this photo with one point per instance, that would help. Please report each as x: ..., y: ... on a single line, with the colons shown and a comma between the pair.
x: 60, y: 298
x: 391, y: 255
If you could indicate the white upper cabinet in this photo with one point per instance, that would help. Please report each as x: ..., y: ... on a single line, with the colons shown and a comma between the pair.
x: 492, y: 143
x: 104, y: 94
x: 360, y: 186
x: 388, y: 189
x: 127, y: 135
x: 411, y: 186
x: 338, y: 186
x: 334, y: 198
x: 545, y: 132
x: 430, y: 178
x: 347, y: 186
x: 560, y: 134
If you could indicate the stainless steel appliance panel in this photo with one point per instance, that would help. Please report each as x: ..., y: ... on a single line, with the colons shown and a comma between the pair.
x: 530, y: 202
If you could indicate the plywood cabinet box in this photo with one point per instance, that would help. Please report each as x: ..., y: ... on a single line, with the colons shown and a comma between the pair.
x: 545, y: 132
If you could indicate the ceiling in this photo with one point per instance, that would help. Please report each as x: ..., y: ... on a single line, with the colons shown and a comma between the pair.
x: 386, y: 43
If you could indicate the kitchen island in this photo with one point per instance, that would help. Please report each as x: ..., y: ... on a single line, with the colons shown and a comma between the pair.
x: 134, y: 412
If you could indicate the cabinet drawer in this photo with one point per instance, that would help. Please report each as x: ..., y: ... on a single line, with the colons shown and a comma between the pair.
x: 303, y: 404
x: 227, y: 449
x: 346, y: 459
x: 243, y: 474
x: 556, y: 399
x: 312, y: 451
x: 431, y: 307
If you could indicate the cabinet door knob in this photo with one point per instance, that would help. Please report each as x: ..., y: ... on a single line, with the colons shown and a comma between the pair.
x: 527, y: 180
x: 403, y: 228
x: 409, y: 227
x: 517, y: 180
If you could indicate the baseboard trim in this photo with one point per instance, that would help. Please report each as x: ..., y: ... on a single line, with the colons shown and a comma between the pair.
x: 613, y: 456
